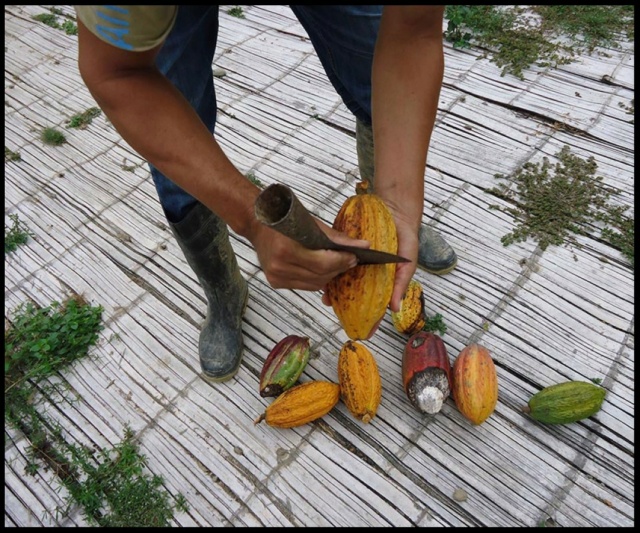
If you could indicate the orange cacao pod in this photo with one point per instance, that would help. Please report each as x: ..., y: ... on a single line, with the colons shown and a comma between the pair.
x: 475, y: 383
x: 360, y: 295
x: 359, y: 381
x: 301, y: 404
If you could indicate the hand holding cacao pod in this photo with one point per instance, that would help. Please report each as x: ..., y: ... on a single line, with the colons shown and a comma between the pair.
x: 408, y: 242
x: 289, y: 265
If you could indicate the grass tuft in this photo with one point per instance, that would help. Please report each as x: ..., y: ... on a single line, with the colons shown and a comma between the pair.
x: 15, y: 235
x: 82, y: 120
x: 236, y: 12
x: 435, y: 324
x: 52, y: 137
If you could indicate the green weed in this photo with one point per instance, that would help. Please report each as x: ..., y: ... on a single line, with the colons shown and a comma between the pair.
x: 515, y: 44
x: 236, y: 12
x: 551, y: 204
x: 52, y: 137
x: 69, y: 28
x: 82, y: 120
x: 51, y: 20
x: 10, y: 155
x: 47, y: 18
x: 15, y: 235
x: 110, y: 485
x: 435, y: 324
x: 115, y: 490
x: 253, y: 179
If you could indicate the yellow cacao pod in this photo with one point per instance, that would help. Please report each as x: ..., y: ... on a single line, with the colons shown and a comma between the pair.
x: 359, y: 381
x: 360, y: 295
x: 475, y: 383
x: 301, y: 404
x: 409, y: 319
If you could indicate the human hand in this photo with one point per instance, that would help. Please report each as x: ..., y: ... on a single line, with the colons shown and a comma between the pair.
x: 289, y: 265
x: 408, y: 243
x: 407, y: 247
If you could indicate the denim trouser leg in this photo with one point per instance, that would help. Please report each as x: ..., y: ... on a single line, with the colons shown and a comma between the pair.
x: 186, y: 59
x: 344, y: 38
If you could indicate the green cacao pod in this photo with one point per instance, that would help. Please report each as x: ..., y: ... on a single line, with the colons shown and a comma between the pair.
x: 284, y: 364
x: 566, y: 402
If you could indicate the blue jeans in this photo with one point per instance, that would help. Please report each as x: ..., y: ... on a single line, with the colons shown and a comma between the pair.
x: 344, y: 38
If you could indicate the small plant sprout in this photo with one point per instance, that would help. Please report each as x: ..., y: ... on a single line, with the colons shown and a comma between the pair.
x: 52, y: 137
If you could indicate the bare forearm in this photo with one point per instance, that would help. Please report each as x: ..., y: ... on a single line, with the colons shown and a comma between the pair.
x: 155, y: 119
x: 407, y: 76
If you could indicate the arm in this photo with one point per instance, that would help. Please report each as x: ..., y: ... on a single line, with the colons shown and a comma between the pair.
x: 131, y: 91
x: 408, y: 69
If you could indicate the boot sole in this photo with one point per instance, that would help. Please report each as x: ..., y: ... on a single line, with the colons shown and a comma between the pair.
x: 442, y: 271
x: 227, y: 377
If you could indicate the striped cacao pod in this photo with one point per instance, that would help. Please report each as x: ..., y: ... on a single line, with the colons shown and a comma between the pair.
x: 566, y: 402
x: 283, y: 365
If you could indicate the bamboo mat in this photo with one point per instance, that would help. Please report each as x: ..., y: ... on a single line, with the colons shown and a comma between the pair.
x: 565, y: 313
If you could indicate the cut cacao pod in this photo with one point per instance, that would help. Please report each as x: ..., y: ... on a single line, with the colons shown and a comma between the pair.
x: 359, y: 380
x: 360, y: 296
x: 301, y: 404
x: 475, y: 383
x: 284, y: 365
x: 426, y: 372
x: 410, y: 319
x: 566, y: 402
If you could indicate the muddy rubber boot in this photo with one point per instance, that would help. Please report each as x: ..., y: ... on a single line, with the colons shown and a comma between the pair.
x: 204, y: 240
x: 435, y: 255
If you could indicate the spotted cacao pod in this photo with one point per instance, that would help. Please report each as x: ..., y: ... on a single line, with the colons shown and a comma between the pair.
x: 409, y: 319
x: 301, y: 404
x: 360, y: 295
x: 359, y: 379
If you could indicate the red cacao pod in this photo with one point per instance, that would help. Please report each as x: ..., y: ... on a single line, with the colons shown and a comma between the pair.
x: 426, y: 372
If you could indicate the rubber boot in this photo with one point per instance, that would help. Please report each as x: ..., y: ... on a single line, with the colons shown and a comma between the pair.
x: 204, y: 240
x: 435, y: 255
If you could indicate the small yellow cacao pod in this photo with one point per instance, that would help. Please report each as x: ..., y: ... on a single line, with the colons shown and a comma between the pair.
x: 359, y: 381
x: 301, y: 404
x: 409, y: 319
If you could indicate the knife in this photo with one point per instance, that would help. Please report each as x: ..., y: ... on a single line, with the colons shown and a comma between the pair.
x: 278, y: 208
